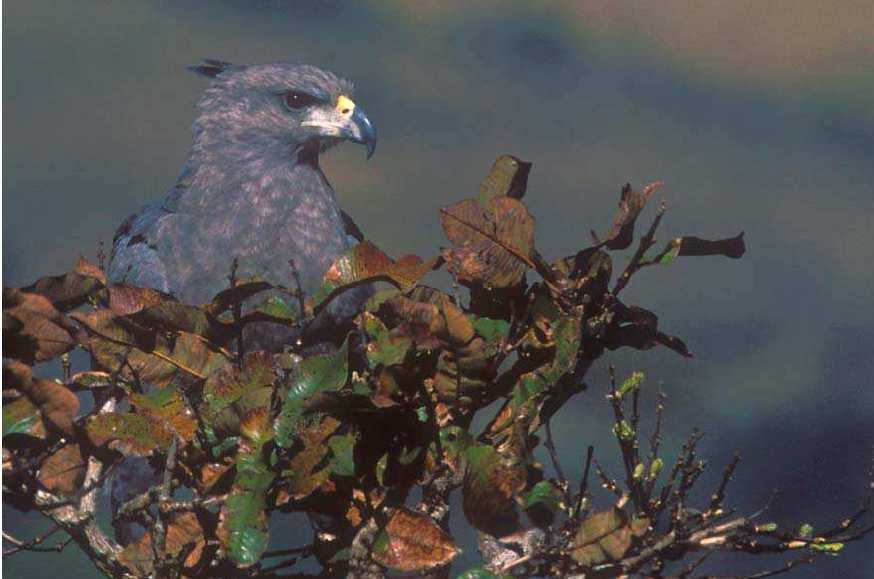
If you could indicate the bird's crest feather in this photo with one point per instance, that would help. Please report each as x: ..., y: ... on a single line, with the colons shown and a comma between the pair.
x: 210, y: 68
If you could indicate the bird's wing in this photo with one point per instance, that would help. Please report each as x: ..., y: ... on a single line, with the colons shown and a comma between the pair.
x: 134, y: 258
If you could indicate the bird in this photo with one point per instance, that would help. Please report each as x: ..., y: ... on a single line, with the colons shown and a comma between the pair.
x: 251, y: 194
x: 252, y: 191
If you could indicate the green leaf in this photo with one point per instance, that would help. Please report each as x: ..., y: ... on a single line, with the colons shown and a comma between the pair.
x: 543, y: 493
x: 830, y: 548
x: 342, y: 447
x: 242, y: 528
x: 630, y: 384
x: 315, y: 374
x: 805, y: 531
x: 246, y: 526
x: 489, y: 328
x: 670, y: 253
x: 623, y: 430
x: 656, y: 467
x: 20, y: 416
x: 276, y: 307
x: 383, y: 346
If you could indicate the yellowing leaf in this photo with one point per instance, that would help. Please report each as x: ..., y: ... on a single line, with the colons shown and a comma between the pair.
x: 412, y: 542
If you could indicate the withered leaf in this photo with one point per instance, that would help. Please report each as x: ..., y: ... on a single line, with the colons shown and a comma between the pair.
x: 310, y: 466
x: 412, y: 542
x: 129, y: 434
x: 33, y: 330
x: 733, y: 247
x: 72, y: 289
x: 184, y: 533
x: 491, y: 483
x: 125, y: 299
x: 244, y: 289
x: 63, y: 470
x: 631, y: 203
x: 168, y: 406
x: 57, y: 404
x: 365, y: 262
x: 143, y: 354
x: 490, y: 246
x: 508, y: 177
x: 606, y: 536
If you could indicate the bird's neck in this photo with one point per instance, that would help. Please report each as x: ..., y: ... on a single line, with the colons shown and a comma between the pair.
x: 243, y: 166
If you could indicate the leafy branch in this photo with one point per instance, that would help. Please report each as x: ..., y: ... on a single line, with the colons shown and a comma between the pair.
x: 367, y: 427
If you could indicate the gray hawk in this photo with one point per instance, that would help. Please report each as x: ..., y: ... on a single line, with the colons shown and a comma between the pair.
x: 251, y: 190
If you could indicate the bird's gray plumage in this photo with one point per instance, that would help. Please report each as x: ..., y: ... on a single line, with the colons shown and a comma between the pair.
x: 252, y: 188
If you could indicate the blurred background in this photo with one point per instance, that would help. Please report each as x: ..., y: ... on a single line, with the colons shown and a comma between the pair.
x: 757, y: 116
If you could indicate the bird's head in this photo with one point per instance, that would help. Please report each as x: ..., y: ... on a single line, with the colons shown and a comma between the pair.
x: 292, y: 106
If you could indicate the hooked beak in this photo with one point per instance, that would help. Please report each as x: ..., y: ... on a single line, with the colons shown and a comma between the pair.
x: 345, y: 121
x: 363, y: 131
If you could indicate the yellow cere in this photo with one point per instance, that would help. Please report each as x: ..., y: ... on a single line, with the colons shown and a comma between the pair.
x: 345, y: 105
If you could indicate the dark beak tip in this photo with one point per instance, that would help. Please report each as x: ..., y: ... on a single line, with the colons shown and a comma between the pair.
x: 366, y: 130
x: 371, y: 146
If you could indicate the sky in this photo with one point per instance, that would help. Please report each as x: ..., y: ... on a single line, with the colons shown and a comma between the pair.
x: 758, y: 117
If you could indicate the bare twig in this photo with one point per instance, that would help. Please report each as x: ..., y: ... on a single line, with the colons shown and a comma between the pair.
x: 584, y: 481
x: 645, y: 243
x: 717, y: 497
x: 34, y: 544
x: 553, y: 457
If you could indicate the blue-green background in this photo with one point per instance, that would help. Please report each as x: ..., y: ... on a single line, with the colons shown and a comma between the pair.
x: 757, y: 116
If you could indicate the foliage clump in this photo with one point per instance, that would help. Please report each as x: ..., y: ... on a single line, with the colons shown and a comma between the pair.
x: 367, y: 427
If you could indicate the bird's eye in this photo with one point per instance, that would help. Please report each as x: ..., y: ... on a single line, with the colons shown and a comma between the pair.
x: 296, y: 100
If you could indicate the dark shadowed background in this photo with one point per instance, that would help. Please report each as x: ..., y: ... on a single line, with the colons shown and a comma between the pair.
x: 757, y: 116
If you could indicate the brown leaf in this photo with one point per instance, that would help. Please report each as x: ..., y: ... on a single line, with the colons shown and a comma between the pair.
x: 733, y: 247
x: 430, y: 323
x: 490, y: 247
x: 210, y: 474
x: 412, y: 542
x: 125, y: 299
x: 56, y: 403
x: 507, y: 177
x: 631, y: 203
x: 365, y: 262
x: 129, y: 434
x: 140, y: 353
x: 491, y: 483
x: 309, y: 467
x: 62, y: 471
x: 184, y: 532
x: 605, y: 536
x: 33, y: 330
x: 70, y: 290
x: 168, y: 406
x: 86, y: 268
